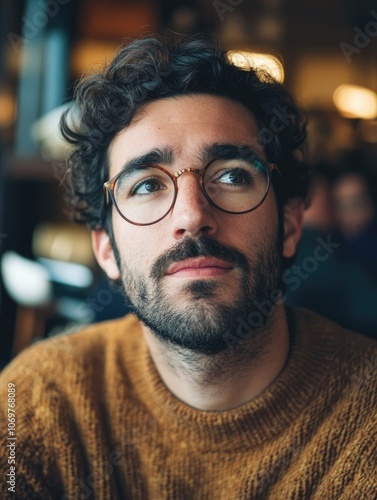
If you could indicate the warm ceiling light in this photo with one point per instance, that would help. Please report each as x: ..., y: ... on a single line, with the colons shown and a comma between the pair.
x: 353, y: 101
x: 245, y: 59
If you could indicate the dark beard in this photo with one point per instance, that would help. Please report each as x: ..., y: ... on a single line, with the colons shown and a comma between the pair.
x: 205, y: 325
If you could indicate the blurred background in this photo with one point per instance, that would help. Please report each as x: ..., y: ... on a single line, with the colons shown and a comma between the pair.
x: 325, y: 52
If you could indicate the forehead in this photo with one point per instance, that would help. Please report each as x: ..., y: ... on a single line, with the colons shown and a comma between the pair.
x: 186, y: 125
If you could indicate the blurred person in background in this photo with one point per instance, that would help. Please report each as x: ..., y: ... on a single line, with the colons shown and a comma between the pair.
x: 343, y: 287
x: 316, y: 288
x: 354, y: 199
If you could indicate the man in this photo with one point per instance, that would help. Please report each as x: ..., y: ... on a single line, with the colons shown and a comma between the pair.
x: 213, y: 389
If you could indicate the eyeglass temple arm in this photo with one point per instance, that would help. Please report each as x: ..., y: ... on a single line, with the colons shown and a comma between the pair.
x: 106, y: 191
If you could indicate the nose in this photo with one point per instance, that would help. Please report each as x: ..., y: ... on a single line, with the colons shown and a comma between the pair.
x: 192, y: 215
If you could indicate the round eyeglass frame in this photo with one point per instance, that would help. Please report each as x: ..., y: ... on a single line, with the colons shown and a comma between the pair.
x: 109, y: 187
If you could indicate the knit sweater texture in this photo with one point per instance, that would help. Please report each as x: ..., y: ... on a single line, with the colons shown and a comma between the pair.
x: 94, y: 420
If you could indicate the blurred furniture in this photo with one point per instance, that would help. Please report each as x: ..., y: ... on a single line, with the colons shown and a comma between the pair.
x: 53, y: 287
x: 28, y: 284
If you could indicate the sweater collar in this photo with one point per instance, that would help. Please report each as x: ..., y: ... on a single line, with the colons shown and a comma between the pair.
x: 266, y: 416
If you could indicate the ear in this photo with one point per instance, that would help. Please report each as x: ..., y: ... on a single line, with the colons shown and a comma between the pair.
x: 293, y: 220
x: 104, y: 253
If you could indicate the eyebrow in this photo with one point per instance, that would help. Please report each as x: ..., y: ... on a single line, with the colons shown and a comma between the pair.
x: 227, y: 152
x: 152, y: 157
x: 165, y: 155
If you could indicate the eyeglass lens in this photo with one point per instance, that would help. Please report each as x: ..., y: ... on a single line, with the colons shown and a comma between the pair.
x: 146, y: 194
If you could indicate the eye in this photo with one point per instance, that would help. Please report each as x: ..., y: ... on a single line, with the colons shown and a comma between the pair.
x: 236, y: 176
x: 147, y: 186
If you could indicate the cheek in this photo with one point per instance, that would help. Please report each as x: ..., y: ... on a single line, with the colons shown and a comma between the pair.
x: 263, y: 222
x: 138, y: 246
x: 252, y: 233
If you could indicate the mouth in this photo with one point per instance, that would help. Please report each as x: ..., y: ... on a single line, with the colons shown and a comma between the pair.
x: 199, y: 267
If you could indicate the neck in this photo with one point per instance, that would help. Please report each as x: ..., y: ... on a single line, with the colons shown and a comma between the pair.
x: 229, y: 379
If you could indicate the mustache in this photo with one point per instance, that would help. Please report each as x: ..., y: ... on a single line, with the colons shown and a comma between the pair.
x: 200, y: 247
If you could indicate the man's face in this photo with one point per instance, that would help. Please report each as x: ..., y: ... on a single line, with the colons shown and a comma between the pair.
x: 194, y: 276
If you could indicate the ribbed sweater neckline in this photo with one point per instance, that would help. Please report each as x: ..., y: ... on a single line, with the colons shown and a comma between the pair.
x: 258, y: 420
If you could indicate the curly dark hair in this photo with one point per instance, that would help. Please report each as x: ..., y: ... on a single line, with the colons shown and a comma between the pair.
x: 153, y: 68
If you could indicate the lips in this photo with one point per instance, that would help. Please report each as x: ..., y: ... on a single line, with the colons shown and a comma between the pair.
x: 199, y: 266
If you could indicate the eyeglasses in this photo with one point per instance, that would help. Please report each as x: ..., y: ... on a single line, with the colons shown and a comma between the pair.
x: 145, y: 194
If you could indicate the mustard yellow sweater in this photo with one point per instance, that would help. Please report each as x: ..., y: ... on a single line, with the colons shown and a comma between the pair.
x: 94, y: 420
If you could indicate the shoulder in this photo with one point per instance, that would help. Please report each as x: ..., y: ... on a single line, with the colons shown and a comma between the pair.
x: 338, y: 370
x: 56, y: 385
x: 63, y: 378
x: 72, y: 353
x: 348, y: 359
